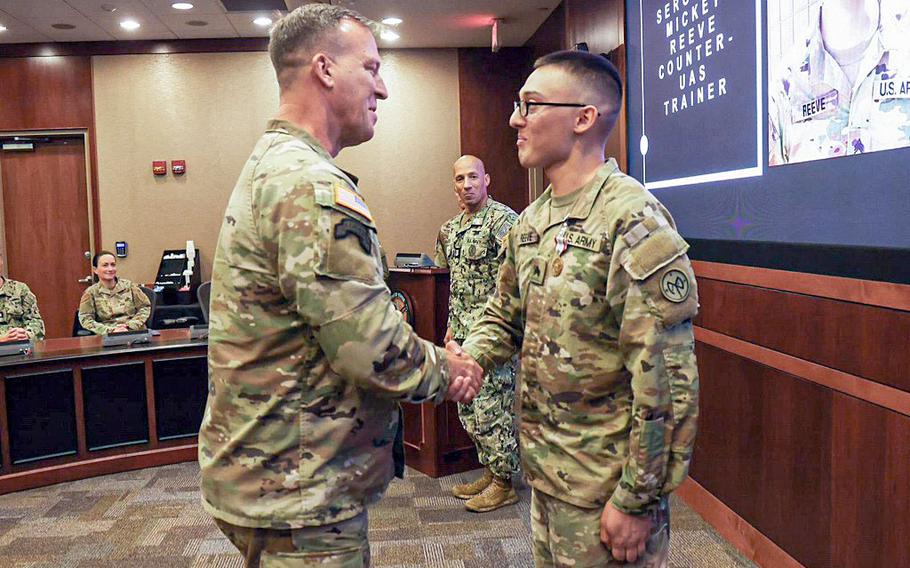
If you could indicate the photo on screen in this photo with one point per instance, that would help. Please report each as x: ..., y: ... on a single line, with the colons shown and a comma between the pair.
x: 839, y: 78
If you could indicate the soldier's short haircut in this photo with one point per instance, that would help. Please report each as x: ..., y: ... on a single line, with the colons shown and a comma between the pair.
x: 595, y: 72
x: 294, y: 39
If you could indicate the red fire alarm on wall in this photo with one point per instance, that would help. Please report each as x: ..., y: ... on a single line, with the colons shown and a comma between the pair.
x: 159, y: 167
x: 178, y: 167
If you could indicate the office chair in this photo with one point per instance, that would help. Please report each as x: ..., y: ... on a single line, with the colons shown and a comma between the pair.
x: 203, y: 294
x: 153, y: 298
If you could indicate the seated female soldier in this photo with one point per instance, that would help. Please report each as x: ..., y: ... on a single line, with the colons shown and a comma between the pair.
x: 112, y: 304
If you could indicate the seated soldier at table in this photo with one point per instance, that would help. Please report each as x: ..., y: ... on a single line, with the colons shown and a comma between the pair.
x: 112, y: 304
x: 19, y: 315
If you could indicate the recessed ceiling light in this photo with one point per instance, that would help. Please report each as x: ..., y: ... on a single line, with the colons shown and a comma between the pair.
x: 392, y: 21
x: 263, y: 21
x: 197, y: 23
x: 109, y: 8
x: 63, y: 26
x: 389, y: 35
x: 182, y: 6
x: 2, y: 28
x: 130, y: 25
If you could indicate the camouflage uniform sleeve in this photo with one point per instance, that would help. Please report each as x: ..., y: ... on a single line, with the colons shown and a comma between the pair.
x: 328, y: 267
x: 143, y: 309
x: 503, y: 225
x: 497, y: 334
x: 439, y: 257
x: 31, y: 317
x: 87, y: 315
x: 653, y: 295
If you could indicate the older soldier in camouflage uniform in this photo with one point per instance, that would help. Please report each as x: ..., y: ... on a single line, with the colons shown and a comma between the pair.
x: 19, y: 315
x: 597, y: 292
x: 112, y: 304
x: 845, y: 90
x: 307, y: 356
x: 469, y: 245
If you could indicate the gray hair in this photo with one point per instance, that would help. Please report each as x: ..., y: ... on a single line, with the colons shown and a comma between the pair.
x: 294, y: 38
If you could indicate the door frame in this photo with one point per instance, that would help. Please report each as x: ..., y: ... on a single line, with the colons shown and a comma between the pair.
x: 91, y: 202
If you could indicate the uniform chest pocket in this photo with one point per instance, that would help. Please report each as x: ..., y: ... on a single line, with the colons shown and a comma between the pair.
x: 11, y: 310
x: 474, y: 247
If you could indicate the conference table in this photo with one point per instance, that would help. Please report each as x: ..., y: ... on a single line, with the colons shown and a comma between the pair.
x: 73, y: 409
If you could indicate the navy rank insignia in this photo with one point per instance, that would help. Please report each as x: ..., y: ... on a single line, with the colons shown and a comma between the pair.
x: 674, y: 285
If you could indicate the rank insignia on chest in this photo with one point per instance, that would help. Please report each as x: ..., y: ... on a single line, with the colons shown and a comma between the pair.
x: 528, y: 238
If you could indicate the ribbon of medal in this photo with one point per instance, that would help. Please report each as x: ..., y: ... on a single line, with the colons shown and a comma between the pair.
x: 561, y: 244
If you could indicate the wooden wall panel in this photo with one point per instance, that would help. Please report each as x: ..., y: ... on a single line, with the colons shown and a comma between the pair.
x: 551, y: 35
x: 871, y: 489
x: 488, y: 83
x: 858, y: 339
x: 763, y: 448
x: 46, y: 93
x: 599, y: 23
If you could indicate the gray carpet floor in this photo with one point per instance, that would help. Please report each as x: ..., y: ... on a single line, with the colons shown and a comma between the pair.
x: 152, y: 518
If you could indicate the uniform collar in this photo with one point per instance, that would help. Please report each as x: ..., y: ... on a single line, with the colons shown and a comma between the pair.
x: 583, y: 205
x: 477, y: 219
x: 821, y: 64
x: 118, y: 287
x: 291, y: 129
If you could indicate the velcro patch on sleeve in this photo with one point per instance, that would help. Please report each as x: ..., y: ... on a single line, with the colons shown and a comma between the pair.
x: 350, y: 200
x: 650, y: 254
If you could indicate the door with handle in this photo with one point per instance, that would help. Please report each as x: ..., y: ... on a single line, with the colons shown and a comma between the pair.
x: 47, y: 222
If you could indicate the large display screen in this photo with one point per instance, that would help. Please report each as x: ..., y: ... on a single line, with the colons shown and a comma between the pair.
x: 777, y: 131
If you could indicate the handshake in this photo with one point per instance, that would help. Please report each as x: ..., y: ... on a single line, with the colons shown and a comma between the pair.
x: 465, y: 375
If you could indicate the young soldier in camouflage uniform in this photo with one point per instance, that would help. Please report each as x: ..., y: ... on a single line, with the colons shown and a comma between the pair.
x: 307, y: 356
x: 19, y: 315
x: 469, y: 245
x: 112, y: 304
x: 597, y: 292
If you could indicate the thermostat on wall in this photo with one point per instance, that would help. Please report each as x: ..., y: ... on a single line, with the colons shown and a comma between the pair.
x: 121, y: 249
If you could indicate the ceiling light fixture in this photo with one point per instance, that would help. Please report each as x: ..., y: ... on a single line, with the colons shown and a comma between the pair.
x: 197, y: 23
x: 2, y: 28
x: 130, y: 25
x: 182, y: 6
x: 389, y: 35
x: 392, y: 21
x: 263, y: 21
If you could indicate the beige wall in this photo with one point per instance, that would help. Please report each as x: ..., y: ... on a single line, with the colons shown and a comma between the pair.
x: 208, y: 109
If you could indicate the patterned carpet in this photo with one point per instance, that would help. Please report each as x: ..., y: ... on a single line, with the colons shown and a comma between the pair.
x: 152, y: 518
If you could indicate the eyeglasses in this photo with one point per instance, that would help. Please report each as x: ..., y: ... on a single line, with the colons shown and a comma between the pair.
x: 524, y: 107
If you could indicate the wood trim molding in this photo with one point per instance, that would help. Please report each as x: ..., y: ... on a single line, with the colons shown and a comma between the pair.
x: 208, y: 45
x: 870, y: 292
x: 101, y: 466
x: 746, y: 538
x: 863, y: 389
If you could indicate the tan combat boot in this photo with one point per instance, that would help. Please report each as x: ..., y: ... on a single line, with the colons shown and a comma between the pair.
x: 497, y: 494
x: 476, y: 487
